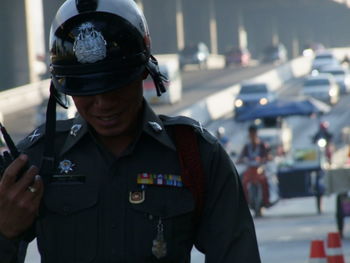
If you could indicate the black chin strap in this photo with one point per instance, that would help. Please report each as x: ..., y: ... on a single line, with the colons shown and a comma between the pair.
x: 48, y: 159
x: 157, y: 76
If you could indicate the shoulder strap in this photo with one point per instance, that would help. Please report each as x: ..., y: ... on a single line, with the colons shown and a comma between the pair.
x: 191, y: 165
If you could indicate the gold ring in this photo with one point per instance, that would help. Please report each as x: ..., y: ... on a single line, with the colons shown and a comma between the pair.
x: 31, y: 189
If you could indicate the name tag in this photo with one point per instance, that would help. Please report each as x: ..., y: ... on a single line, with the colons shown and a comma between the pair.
x: 68, y: 178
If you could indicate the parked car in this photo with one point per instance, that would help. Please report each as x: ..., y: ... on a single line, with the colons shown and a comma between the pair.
x: 169, y: 67
x: 237, y: 56
x: 251, y: 94
x: 194, y: 54
x: 275, y: 54
x: 341, y: 76
x: 322, y: 59
x: 323, y: 87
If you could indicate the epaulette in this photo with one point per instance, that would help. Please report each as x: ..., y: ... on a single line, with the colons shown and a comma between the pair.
x: 38, y: 133
x: 183, y: 120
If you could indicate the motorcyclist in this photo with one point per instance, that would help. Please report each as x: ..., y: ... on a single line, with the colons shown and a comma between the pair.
x: 255, y: 154
x: 324, y: 133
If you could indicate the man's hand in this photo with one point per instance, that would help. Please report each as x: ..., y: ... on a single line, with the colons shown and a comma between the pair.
x: 19, y: 200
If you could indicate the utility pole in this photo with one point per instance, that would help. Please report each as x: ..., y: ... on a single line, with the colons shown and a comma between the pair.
x: 180, y: 32
x: 213, y: 28
x: 35, y: 39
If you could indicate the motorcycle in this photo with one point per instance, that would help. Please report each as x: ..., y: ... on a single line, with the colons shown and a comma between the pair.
x: 255, y: 187
x: 326, y: 148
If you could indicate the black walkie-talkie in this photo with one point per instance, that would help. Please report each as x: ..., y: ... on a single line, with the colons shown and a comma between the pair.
x: 14, y: 153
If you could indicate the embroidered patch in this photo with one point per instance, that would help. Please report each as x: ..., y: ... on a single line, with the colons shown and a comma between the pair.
x: 66, y: 166
x: 159, y: 179
x: 75, y: 129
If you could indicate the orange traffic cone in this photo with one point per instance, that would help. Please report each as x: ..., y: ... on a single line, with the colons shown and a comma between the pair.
x: 317, y: 252
x: 334, y: 248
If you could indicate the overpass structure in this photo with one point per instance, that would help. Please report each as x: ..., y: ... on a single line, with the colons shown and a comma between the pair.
x: 220, y: 24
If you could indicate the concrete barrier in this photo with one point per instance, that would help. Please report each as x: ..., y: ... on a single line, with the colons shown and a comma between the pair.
x: 23, y: 97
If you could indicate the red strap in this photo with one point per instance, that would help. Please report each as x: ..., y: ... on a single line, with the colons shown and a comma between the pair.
x: 191, y: 165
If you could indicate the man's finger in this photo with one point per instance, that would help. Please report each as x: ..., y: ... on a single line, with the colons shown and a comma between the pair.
x: 34, y: 193
x: 11, y: 172
x: 36, y: 189
x: 27, y: 179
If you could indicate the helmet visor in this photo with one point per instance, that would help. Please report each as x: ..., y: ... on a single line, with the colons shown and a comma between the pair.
x: 97, y: 84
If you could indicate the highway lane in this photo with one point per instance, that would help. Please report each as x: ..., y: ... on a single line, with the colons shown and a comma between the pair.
x: 200, y: 84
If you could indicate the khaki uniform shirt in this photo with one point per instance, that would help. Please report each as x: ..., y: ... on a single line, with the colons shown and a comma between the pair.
x: 101, y: 209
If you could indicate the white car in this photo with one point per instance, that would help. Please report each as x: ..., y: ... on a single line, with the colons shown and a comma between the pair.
x: 341, y: 76
x: 322, y: 87
x: 323, y: 59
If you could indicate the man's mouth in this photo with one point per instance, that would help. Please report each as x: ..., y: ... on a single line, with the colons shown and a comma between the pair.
x: 107, y: 118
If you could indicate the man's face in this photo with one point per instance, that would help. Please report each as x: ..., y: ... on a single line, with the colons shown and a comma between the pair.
x: 253, y: 135
x: 112, y: 113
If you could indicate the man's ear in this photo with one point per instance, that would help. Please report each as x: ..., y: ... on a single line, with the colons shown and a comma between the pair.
x: 145, y: 74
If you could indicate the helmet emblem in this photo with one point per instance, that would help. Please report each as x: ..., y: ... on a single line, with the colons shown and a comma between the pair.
x: 89, y: 45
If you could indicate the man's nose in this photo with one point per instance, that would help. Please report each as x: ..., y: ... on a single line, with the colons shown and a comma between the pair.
x: 103, y: 99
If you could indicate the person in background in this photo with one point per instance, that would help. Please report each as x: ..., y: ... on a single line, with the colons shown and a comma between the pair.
x: 255, y: 154
x: 324, y: 133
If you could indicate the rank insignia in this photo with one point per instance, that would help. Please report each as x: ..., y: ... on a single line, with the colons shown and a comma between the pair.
x: 155, y: 126
x: 34, y: 135
x: 66, y: 166
x: 137, y: 197
x: 75, y: 129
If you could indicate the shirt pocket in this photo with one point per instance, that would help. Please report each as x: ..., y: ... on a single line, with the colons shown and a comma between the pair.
x: 173, y: 207
x: 68, y: 228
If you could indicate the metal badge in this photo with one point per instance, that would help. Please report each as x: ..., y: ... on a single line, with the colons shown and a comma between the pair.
x: 89, y: 45
x: 155, y: 126
x: 159, y: 248
x: 75, y: 129
x: 66, y: 166
x: 34, y: 135
x: 137, y: 197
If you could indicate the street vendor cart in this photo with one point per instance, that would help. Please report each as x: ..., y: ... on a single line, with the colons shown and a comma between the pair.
x: 302, y: 175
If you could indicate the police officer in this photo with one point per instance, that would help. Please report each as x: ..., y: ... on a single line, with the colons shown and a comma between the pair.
x: 109, y: 185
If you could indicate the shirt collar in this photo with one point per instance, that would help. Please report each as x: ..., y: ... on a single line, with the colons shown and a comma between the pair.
x: 77, y: 131
x: 154, y: 127
x: 151, y: 125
